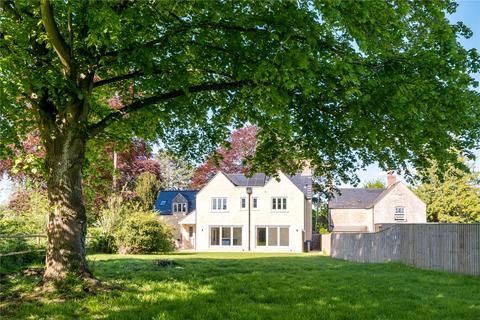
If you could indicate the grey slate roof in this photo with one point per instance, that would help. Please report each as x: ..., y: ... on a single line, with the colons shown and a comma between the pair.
x: 354, y: 198
x: 239, y: 179
x: 304, y: 183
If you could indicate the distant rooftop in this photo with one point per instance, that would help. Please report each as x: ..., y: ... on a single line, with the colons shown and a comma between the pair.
x: 354, y: 198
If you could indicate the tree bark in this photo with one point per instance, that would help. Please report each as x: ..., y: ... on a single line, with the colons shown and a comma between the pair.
x: 67, y: 222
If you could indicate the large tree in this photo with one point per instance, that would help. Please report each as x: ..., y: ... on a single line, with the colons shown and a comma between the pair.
x: 342, y: 83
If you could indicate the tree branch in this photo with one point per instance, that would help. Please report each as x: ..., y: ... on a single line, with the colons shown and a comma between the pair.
x: 147, y: 44
x: 58, y: 43
x: 183, y: 28
x: 126, y: 77
x: 139, y: 104
x: 135, y: 74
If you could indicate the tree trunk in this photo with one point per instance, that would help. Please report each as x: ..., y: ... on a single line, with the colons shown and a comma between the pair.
x: 67, y: 222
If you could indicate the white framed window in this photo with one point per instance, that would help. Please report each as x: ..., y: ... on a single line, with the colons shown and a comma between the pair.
x: 399, y: 214
x: 255, y: 203
x: 226, y: 236
x: 279, y: 203
x: 243, y: 203
x: 163, y: 202
x: 219, y: 204
x: 179, y: 207
x: 272, y: 236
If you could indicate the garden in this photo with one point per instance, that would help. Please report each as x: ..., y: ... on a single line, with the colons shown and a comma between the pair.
x: 245, y: 286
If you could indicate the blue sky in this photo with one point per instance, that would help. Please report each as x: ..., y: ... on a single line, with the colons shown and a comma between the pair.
x: 467, y: 11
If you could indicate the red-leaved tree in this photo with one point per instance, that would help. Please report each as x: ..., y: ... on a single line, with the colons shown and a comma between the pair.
x: 27, y: 164
x: 233, y: 159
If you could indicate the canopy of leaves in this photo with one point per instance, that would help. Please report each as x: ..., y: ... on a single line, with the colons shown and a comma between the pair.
x: 342, y: 83
x: 454, y: 198
x: 26, y: 165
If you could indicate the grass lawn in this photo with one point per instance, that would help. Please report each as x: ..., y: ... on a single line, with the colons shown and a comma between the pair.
x: 252, y: 286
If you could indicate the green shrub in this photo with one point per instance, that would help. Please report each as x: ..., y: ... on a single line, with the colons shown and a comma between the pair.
x: 100, y: 242
x: 22, y: 222
x: 142, y: 232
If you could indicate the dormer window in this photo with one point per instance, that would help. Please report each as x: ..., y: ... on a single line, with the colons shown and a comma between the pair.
x: 179, y: 204
x: 179, y: 207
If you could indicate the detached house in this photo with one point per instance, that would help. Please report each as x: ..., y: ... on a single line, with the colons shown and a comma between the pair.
x: 262, y: 214
x: 369, y: 210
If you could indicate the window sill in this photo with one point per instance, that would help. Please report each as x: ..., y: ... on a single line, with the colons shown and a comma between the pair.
x: 230, y: 246
x: 273, y: 246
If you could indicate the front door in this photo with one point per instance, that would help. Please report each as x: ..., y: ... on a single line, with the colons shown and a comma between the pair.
x: 190, y: 237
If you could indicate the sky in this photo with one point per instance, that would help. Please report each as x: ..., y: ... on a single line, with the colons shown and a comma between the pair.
x: 467, y: 11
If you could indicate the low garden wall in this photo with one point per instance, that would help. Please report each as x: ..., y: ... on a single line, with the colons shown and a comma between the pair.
x: 444, y: 247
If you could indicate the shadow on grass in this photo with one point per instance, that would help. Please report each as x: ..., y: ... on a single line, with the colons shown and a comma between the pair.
x: 205, y: 286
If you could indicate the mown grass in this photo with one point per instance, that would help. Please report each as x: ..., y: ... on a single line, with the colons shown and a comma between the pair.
x: 252, y: 286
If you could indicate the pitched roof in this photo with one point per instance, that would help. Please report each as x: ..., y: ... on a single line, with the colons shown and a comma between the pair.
x: 304, y: 183
x: 163, y: 204
x: 354, y: 198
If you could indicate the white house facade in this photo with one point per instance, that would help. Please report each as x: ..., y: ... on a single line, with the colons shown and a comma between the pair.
x: 258, y: 214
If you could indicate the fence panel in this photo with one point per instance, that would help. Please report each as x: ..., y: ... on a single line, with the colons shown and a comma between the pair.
x: 444, y: 247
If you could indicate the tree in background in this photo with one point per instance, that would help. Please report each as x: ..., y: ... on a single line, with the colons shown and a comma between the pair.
x: 147, y: 187
x: 374, y: 184
x: 340, y: 83
x: 453, y: 198
x: 322, y: 192
x: 135, y: 159
x: 176, y: 173
x: 232, y: 158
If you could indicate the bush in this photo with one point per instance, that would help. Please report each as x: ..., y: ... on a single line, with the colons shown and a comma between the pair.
x: 143, y: 232
x: 100, y: 242
x: 21, y: 222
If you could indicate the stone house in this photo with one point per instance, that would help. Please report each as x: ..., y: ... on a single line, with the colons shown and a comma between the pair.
x: 370, y: 210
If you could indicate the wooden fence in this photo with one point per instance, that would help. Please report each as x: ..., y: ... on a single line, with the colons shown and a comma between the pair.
x: 37, y: 243
x: 444, y: 247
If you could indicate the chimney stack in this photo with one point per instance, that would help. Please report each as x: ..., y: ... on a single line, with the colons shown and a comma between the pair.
x: 307, y: 169
x: 391, y: 179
